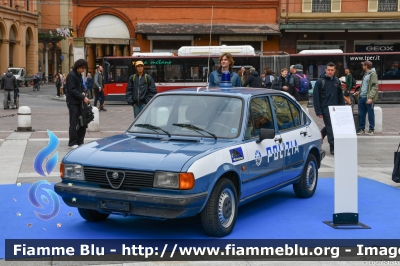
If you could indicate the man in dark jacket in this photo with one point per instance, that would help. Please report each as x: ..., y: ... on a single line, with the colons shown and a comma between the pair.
x: 99, y: 89
x: 9, y: 85
x: 281, y: 83
x: 327, y: 92
x: 75, y: 98
x: 254, y: 79
x: 141, y: 88
x: 294, y: 86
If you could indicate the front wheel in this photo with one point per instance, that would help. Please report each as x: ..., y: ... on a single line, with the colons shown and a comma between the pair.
x: 308, y: 180
x: 219, y: 215
x: 92, y: 215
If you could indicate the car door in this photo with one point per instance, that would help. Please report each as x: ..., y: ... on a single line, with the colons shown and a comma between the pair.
x: 294, y: 133
x: 264, y: 163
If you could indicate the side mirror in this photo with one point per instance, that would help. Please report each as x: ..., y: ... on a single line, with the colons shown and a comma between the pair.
x: 266, y: 133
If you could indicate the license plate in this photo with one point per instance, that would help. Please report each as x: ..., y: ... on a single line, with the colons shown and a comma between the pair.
x: 114, y: 205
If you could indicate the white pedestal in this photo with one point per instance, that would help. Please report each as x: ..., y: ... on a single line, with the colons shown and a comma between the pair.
x: 94, y: 126
x: 346, y: 179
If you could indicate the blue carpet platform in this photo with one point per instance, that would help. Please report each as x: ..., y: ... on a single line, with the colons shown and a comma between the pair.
x: 280, y: 215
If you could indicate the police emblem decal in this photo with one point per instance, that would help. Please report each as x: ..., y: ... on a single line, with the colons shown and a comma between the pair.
x: 236, y: 154
x: 258, y: 157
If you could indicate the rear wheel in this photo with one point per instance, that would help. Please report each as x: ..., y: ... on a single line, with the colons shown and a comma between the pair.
x: 219, y: 215
x: 92, y: 215
x: 308, y: 180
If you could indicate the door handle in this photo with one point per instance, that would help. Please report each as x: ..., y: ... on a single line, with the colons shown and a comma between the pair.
x: 278, y: 139
x: 304, y: 133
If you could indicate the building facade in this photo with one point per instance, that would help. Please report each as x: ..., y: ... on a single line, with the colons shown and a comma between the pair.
x: 352, y: 26
x: 55, y: 37
x: 18, y: 35
x: 105, y: 28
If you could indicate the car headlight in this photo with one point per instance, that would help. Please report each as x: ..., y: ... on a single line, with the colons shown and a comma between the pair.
x: 72, y: 171
x: 173, y: 180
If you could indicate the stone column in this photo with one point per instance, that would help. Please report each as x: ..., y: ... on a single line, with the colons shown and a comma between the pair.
x: 46, y: 61
x: 5, y: 53
x: 99, y: 51
x: 55, y: 70
x: 114, y: 50
x: 119, y: 52
x: 91, y: 58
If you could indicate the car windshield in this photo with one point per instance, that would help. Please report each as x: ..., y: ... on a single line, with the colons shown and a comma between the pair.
x: 192, y: 115
x: 15, y: 71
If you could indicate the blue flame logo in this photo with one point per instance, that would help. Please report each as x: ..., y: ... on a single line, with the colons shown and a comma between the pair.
x: 41, y: 156
x: 34, y: 201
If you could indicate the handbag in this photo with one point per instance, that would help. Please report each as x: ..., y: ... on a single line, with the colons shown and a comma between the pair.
x: 396, y: 168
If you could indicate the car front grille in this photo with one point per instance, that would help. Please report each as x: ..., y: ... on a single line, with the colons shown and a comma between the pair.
x: 129, y: 179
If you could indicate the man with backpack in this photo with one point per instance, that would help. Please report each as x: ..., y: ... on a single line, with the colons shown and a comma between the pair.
x: 299, y: 86
x: 141, y: 88
x: 327, y: 92
x: 9, y: 85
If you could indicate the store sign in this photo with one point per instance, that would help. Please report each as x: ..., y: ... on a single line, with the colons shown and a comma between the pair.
x: 378, y: 48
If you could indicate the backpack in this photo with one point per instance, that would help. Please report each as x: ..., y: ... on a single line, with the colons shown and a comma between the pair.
x: 354, y: 83
x: 87, y: 114
x: 304, y: 84
x: 145, y: 77
x: 268, y: 81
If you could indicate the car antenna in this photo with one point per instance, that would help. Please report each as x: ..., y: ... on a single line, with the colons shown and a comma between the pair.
x: 209, y: 49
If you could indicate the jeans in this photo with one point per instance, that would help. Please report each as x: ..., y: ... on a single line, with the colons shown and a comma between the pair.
x: 363, y: 109
x: 5, y: 101
x: 99, y: 96
x: 137, y: 109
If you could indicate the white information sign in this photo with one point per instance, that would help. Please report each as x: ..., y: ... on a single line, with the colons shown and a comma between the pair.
x: 345, y: 165
x: 342, y: 120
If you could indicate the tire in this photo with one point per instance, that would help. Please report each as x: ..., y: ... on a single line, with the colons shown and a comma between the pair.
x: 19, y: 83
x: 92, y: 215
x: 308, y: 180
x: 219, y: 215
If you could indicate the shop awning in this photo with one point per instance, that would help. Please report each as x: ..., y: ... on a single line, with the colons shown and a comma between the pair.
x: 107, y: 41
x: 341, y: 26
x: 193, y: 28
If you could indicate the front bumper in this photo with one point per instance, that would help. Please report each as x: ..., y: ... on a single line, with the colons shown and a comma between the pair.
x: 322, y: 154
x: 131, y: 202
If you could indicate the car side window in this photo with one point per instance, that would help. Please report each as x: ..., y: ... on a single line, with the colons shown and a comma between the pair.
x: 287, y: 114
x: 260, y: 116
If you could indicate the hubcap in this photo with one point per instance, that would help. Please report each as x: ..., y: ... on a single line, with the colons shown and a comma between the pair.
x: 226, y: 207
x: 311, y: 175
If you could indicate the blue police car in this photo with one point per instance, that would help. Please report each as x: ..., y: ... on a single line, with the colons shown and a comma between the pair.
x: 196, y: 151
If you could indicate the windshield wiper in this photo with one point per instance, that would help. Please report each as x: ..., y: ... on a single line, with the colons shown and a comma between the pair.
x: 154, y: 128
x: 197, y: 129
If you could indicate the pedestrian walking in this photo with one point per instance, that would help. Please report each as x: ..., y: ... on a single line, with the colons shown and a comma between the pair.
x: 75, y: 98
x: 140, y: 89
x: 226, y: 61
x: 98, y: 89
x: 9, y: 85
x: 58, y: 84
x: 327, y: 92
x: 367, y: 95
x: 89, y: 85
